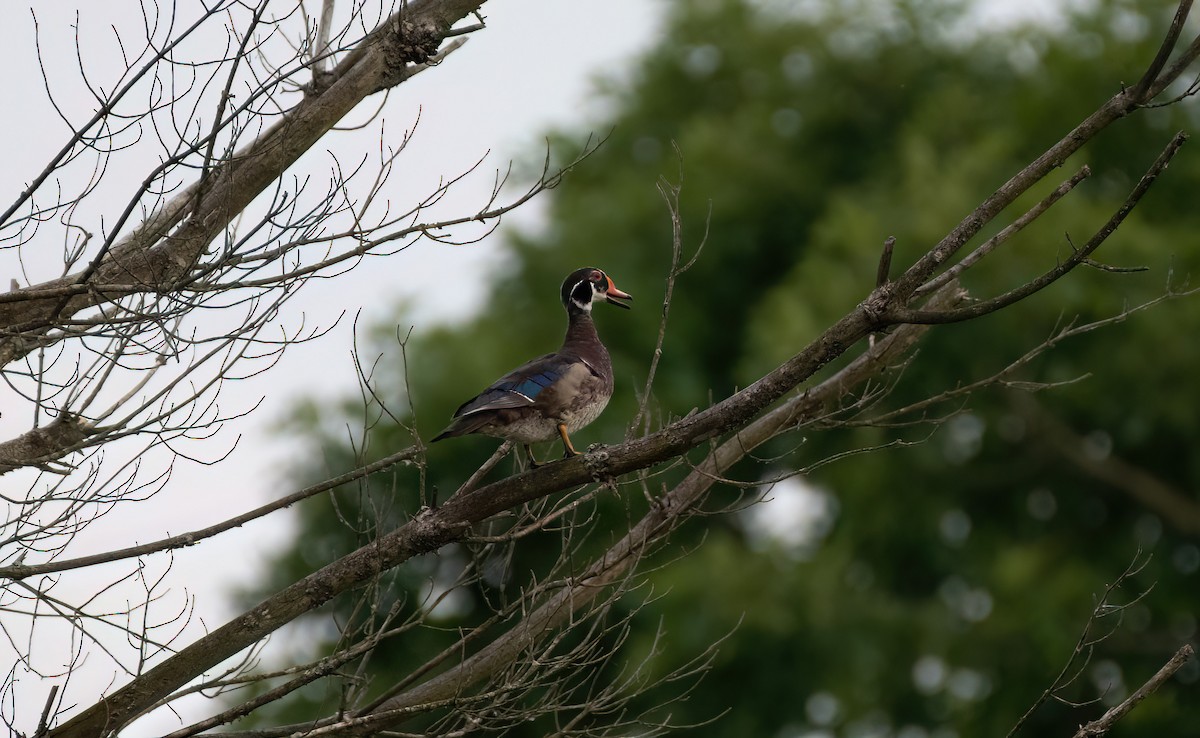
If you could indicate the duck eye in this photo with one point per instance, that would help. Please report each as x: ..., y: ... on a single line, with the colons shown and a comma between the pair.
x: 597, y: 277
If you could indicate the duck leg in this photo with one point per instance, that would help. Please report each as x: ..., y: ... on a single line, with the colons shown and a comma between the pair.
x: 533, y: 462
x: 568, y: 449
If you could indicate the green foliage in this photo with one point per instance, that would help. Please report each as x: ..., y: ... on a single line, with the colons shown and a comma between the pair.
x: 958, y: 569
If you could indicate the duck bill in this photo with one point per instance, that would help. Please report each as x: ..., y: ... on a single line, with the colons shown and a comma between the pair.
x: 614, y: 295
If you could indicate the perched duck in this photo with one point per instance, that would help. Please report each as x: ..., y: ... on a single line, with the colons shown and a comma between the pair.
x: 559, y: 393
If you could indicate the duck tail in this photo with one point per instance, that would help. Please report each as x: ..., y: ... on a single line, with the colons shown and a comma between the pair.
x: 462, y: 426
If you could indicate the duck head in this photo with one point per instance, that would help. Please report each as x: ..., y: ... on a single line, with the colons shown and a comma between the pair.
x: 584, y: 286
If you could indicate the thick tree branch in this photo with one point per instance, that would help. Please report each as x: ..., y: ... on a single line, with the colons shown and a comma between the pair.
x: 40, y: 446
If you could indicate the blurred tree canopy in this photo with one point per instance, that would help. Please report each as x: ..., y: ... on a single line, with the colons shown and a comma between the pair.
x: 931, y: 588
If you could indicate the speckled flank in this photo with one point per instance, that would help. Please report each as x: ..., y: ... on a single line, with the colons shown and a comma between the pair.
x: 584, y: 406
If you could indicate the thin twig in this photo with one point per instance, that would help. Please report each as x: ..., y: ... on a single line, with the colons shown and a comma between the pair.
x: 1006, y: 233
x: 482, y: 471
x: 1083, y: 646
x: 883, y: 273
x: 670, y: 194
x: 44, y: 722
x: 23, y: 571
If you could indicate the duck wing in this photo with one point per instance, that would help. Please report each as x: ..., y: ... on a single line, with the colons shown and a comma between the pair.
x: 520, y: 387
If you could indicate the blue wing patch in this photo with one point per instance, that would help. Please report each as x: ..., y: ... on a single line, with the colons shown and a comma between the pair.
x: 518, y: 388
x: 531, y: 386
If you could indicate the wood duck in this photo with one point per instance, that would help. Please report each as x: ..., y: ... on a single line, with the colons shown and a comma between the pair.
x: 559, y: 393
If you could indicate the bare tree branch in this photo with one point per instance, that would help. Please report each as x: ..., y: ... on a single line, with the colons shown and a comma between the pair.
x: 1081, y: 655
x: 24, y: 571
x: 41, y: 446
x: 1080, y: 255
x: 156, y: 258
x: 1105, y: 722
